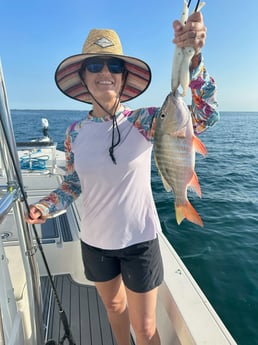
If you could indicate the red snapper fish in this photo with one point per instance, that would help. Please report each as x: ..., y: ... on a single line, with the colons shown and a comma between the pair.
x: 174, y: 152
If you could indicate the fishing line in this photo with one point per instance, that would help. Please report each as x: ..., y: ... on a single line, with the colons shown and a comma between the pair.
x: 196, y: 7
x: 63, y: 317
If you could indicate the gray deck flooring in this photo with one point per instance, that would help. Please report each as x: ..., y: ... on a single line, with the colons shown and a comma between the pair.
x: 84, y: 310
x: 56, y: 229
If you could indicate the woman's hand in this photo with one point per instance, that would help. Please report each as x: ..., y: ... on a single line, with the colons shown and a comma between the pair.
x: 34, y: 216
x: 192, y: 34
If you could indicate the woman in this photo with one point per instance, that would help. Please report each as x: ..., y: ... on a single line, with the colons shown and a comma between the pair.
x: 108, y: 157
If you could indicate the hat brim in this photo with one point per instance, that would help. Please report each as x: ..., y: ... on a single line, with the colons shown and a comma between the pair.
x: 68, y: 80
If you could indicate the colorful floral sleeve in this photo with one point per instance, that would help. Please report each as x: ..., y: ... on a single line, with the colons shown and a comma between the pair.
x: 70, y: 188
x: 204, y: 102
x: 143, y: 120
x: 203, y: 109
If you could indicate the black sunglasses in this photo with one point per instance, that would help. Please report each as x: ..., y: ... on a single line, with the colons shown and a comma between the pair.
x: 96, y: 65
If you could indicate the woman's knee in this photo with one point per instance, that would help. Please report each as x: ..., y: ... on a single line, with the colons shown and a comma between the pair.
x: 146, y: 329
x: 113, y: 296
x: 115, y: 305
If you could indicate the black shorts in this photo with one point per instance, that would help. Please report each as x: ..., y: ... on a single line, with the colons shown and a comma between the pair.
x: 140, y: 265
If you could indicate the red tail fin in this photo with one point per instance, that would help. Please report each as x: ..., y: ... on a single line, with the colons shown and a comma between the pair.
x: 199, y: 146
x: 194, y: 183
x: 187, y: 211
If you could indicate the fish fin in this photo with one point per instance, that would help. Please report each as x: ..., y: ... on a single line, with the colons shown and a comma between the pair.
x: 187, y: 211
x: 194, y: 183
x: 167, y: 187
x: 199, y: 146
x: 181, y: 133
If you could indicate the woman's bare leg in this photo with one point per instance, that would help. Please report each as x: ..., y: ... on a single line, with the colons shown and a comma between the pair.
x: 142, y: 313
x: 113, y: 295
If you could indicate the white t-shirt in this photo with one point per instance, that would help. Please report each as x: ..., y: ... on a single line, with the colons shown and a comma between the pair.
x: 118, y: 205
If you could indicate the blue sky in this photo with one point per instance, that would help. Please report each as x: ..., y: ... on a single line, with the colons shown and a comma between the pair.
x: 37, y: 35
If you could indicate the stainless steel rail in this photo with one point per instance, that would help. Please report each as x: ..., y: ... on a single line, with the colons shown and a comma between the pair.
x: 2, y: 340
x: 7, y: 201
x: 13, y: 174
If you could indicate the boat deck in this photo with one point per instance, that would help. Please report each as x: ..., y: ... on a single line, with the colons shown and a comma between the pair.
x: 84, y: 309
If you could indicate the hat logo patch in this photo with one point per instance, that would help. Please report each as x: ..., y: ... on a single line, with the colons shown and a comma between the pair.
x: 104, y: 42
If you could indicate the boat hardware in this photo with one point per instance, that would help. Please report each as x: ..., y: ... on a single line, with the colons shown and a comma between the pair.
x: 2, y: 340
x: 10, y: 142
x: 31, y: 251
x: 62, y: 314
x: 6, y: 202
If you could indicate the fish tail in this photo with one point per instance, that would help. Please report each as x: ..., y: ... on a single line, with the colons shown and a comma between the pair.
x: 187, y: 211
x: 199, y: 146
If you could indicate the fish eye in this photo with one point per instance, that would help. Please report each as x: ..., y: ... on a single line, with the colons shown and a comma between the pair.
x: 162, y: 116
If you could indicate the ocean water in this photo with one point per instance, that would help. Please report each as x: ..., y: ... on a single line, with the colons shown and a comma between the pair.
x: 223, y: 255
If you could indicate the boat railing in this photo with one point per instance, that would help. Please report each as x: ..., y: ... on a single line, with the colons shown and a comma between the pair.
x: 7, y: 201
x: 2, y: 340
x: 14, y: 199
x: 8, y: 309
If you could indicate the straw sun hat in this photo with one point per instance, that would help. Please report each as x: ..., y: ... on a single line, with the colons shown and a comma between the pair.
x: 98, y: 43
